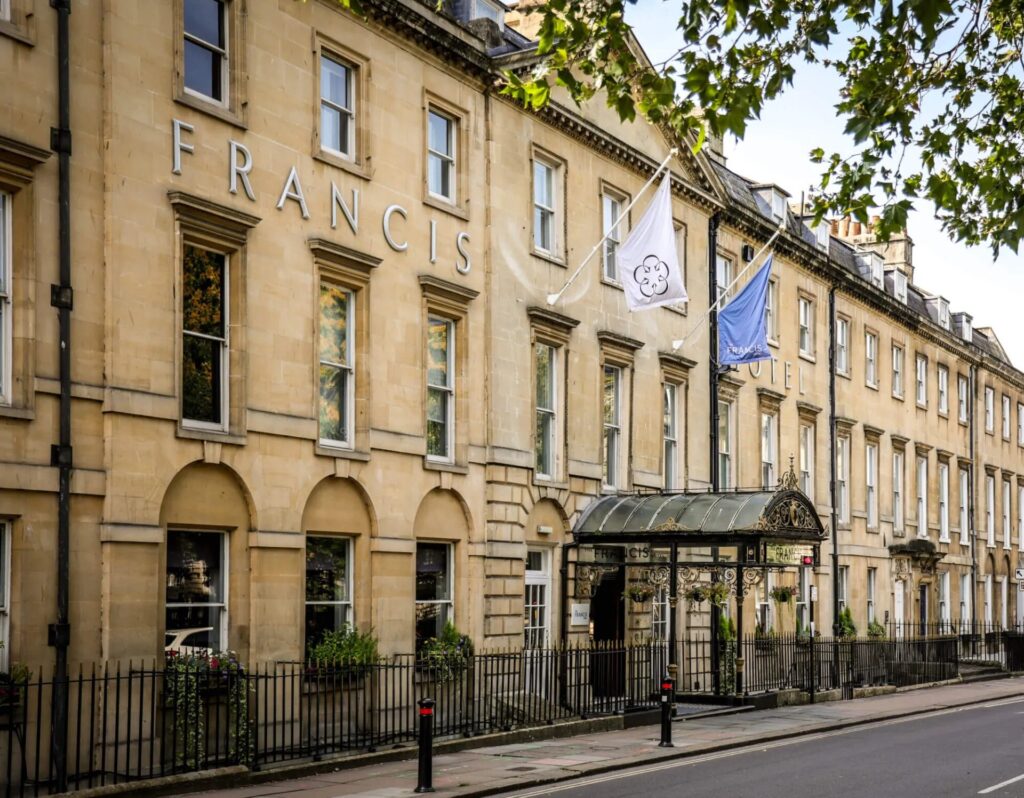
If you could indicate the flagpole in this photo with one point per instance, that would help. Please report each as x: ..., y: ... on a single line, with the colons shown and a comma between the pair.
x: 553, y: 298
x: 677, y: 345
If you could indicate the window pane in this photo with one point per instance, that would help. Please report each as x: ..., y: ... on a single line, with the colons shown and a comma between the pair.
x: 323, y: 618
x: 335, y: 82
x: 204, y: 20
x: 333, y: 403
x: 432, y: 569
x: 430, y: 621
x: 544, y: 424
x: 439, y: 128
x: 201, y: 379
x: 542, y: 229
x: 202, y: 70
x: 437, y: 352
x: 194, y: 573
x: 194, y: 629
x: 437, y: 423
x: 544, y: 383
x: 542, y: 194
x: 611, y: 395
x: 327, y: 569
x: 203, y: 292
x: 334, y: 324
x: 333, y: 134
x: 438, y: 176
x: 3, y: 244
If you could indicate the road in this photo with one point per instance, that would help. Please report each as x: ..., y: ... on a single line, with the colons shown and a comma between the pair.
x: 975, y: 750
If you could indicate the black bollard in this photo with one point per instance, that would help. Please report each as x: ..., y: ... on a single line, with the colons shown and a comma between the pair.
x: 667, y: 696
x: 425, y: 777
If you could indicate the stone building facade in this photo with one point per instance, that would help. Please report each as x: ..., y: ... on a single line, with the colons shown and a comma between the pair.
x: 315, y: 378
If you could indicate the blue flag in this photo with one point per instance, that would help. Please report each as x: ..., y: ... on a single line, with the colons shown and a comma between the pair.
x: 742, y: 336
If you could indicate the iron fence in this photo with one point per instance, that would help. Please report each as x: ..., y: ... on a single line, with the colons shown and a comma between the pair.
x: 977, y: 641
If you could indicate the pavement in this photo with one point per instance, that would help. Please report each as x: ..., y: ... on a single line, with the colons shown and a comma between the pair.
x: 502, y: 768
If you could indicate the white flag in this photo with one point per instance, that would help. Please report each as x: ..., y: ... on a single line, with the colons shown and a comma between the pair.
x: 647, y: 259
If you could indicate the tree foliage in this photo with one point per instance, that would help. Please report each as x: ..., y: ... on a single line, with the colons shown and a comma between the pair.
x: 931, y: 93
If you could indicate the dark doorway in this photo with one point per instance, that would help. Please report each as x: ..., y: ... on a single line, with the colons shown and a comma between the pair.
x: 607, y: 613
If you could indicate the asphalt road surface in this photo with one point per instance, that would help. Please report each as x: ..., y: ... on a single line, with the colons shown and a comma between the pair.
x: 975, y: 750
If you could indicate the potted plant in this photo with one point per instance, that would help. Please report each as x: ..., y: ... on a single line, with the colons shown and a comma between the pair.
x: 346, y: 653
x: 445, y: 657
x: 695, y: 595
x: 876, y: 631
x: 782, y: 594
x: 639, y: 592
x: 847, y: 628
x: 13, y: 686
x: 717, y: 593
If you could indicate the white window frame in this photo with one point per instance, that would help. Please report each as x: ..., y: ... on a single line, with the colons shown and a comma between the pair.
x: 769, y: 450
x: 546, y: 447
x: 670, y: 434
x: 988, y: 599
x: 843, y: 478
x: 535, y: 637
x: 872, y: 583
x: 922, y: 496
x: 805, y: 307
x: 871, y: 359
x: 807, y: 459
x: 965, y: 598
x: 897, y: 371
x: 843, y: 586
x: 1020, y: 424
x: 449, y: 603
x: 842, y: 345
x: 448, y: 159
x: 612, y: 204
x: 962, y: 389
x: 223, y: 52
x: 965, y: 527
x: 225, y: 571
x: 1005, y: 509
x: 944, y: 616
x: 347, y: 604
x: 990, y: 514
x: 6, y: 301
x: 771, y: 312
x: 447, y: 390
x: 898, y: 501
x: 943, y: 502
x: 943, y: 380
x: 225, y: 346
x: 551, y: 212
x: 1006, y: 417
x: 871, y: 483
x: 723, y: 276
x: 1004, y: 600
x: 921, y: 379
x: 990, y: 409
x: 347, y: 114
x: 726, y: 458
x: 349, y: 368
x: 612, y: 426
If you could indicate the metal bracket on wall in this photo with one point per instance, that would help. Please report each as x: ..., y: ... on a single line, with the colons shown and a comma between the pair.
x: 58, y: 634
x: 60, y: 139
x: 62, y: 296
x: 60, y: 455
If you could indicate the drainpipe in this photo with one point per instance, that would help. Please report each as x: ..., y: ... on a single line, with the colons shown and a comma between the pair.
x: 59, y: 633
x: 832, y: 456
x: 972, y: 401
x: 716, y: 478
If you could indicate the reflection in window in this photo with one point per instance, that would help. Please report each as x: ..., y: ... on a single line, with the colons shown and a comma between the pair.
x: 441, y: 156
x: 670, y: 424
x: 336, y: 383
x: 204, y: 344
x: 328, y: 587
x: 545, y: 432
x: 433, y: 590
x: 440, y: 387
x: 206, y: 48
x: 196, y: 619
x: 544, y: 207
x: 337, y: 108
x: 612, y: 427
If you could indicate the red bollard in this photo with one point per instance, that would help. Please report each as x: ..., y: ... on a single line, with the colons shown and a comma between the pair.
x: 668, y: 694
x: 425, y: 777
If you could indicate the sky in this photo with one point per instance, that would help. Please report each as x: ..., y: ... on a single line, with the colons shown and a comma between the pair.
x: 775, y: 150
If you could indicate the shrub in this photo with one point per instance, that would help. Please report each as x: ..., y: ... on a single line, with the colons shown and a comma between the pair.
x: 346, y: 646
x: 447, y: 656
x: 876, y: 631
x: 847, y: 628
x: 782, y: 594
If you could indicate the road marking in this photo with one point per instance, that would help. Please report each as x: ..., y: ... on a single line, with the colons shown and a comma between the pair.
x: 1007, y: 702
x: 1001, y: 784
x: 755, y: 747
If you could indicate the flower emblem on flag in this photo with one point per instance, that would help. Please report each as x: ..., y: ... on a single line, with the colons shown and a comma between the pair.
x: 651, y: 276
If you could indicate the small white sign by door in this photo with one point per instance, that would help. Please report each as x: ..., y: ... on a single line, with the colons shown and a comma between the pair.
x: 580, y: 615
x: 814, y: 592
x: 1019, y: 574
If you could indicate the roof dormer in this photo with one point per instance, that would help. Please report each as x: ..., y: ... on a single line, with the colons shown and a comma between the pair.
x: 870, y: 266
x: 774, y: 197
x: 963, y: 326
x: 896, y: 284
x: 938, y: 310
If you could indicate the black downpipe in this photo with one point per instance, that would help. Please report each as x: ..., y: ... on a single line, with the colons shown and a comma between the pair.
x: 716, y: 478
x: 61, y: 297
x: 832, y: 456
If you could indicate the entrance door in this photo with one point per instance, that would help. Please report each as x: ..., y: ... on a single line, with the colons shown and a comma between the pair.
x: 922, y: 598
x: 608, y: 660
x: 897, y: 608
x: 536, y: 619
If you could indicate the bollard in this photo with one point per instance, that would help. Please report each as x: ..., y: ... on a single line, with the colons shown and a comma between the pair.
x: 667, y: 696
x: 425, y: 777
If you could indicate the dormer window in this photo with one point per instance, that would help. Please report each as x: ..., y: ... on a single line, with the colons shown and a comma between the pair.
x: 821, y: 235
x: 775, y: 198
x: 871, y: 267
x: 899, y: 286
x: 487, y: 9
x: 938, y: 310
x: 944, y: 314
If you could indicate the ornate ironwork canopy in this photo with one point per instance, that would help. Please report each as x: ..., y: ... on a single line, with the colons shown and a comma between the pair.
x: 734, y: 518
